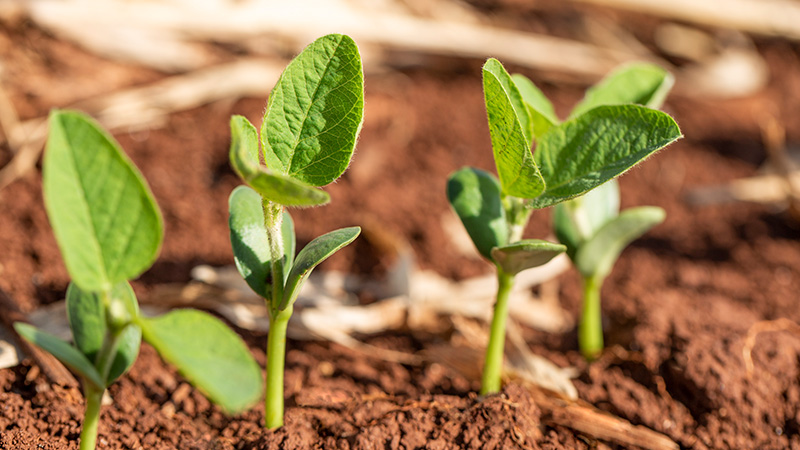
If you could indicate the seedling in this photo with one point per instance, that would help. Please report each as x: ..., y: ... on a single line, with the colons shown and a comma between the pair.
x: 109, y: 230
x: 308, y: 135
x: 592, y: 227
x: 591, y: 148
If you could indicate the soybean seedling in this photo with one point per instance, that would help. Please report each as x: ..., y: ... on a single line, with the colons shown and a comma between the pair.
x: 571, y: 159
x: 592, y: 227
x: 109, y: 230
x: 308, y: 135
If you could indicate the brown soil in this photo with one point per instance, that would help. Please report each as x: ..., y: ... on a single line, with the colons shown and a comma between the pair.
x: 676, y: 308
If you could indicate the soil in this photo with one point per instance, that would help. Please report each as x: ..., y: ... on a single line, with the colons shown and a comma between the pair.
x: 676, y: 309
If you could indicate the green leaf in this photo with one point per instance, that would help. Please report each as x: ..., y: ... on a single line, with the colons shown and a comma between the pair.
x: 577, y: 220
x: 105, y: 219
x: 583, y: 153
x: 315, y: 112
x: 475, y: 197
x: 249, y: 239
x: 525, y: 254
x: 597, y: 256
x: 272, y: 186
x: 640, y: 83
x: 310, y: 256
x: 541, y: 112
x: 209, y: 354
x: 67, y: 354
x: 510, y: 132
x: 86, y: 314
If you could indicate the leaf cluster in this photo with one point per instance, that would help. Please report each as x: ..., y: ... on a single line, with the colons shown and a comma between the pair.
x: 109, y: 230
x: 604, y: 136
x: 308, y: 134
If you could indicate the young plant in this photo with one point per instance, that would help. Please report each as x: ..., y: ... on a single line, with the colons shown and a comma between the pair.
x: 592, y: 227
x: 109, y: 230
x: 591, y: 148
x: 308, y: 135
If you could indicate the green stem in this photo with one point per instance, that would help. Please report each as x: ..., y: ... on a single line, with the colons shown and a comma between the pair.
x: 273, y: 219
x: 276, y: 357
x: 91, y: 417
x: 94, y: 394
x: 493, y: 367
x: 590, y: 329
x: 278, y: 319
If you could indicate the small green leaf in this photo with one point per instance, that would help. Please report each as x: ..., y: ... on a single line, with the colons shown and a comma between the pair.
x: 597, y: 256
x: 583, y: 153
x: 475, y: 197
x: 105, y: 219
x: 315, y: 112
x: 510, y: 133
x: 209, y: 354
x: 543, y: 116
x: 86, y: 314
x: 640, y: 83
x: 271, y: 185
x: 67, y: 354
x: 577, y: 220
x: 310, y: 256
x: 525, y: 254
x: 249, y: 238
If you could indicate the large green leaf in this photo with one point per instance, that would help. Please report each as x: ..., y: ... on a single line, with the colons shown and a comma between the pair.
x: 249, y: 239
x: 541, y: 112
x: 577, y: 220
x: 104, y: 217
x: 511, y: 142
x: 525, y: 254
x: 67, y: 354
x: 86, y: 314
x: 209, y: 354
x: 583, y: 153
x: 315, y: 112
x: 597, y: 256
x: 310, y: 256
x: 640, y: 83
x: 475, y: 197
x: 272, y: 186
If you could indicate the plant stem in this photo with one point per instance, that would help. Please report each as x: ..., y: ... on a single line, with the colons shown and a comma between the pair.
x: 278, y: 319
x: 590, y: 329
x: 273, y: 220
x: 94, y: 394
x: 91, y: 417
x: 493, y: 366
x: 276, y: 356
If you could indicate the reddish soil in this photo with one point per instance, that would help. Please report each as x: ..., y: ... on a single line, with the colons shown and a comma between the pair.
x: 677, y: 307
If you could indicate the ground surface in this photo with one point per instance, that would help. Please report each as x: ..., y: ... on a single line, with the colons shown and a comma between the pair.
x: 677, y: 306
